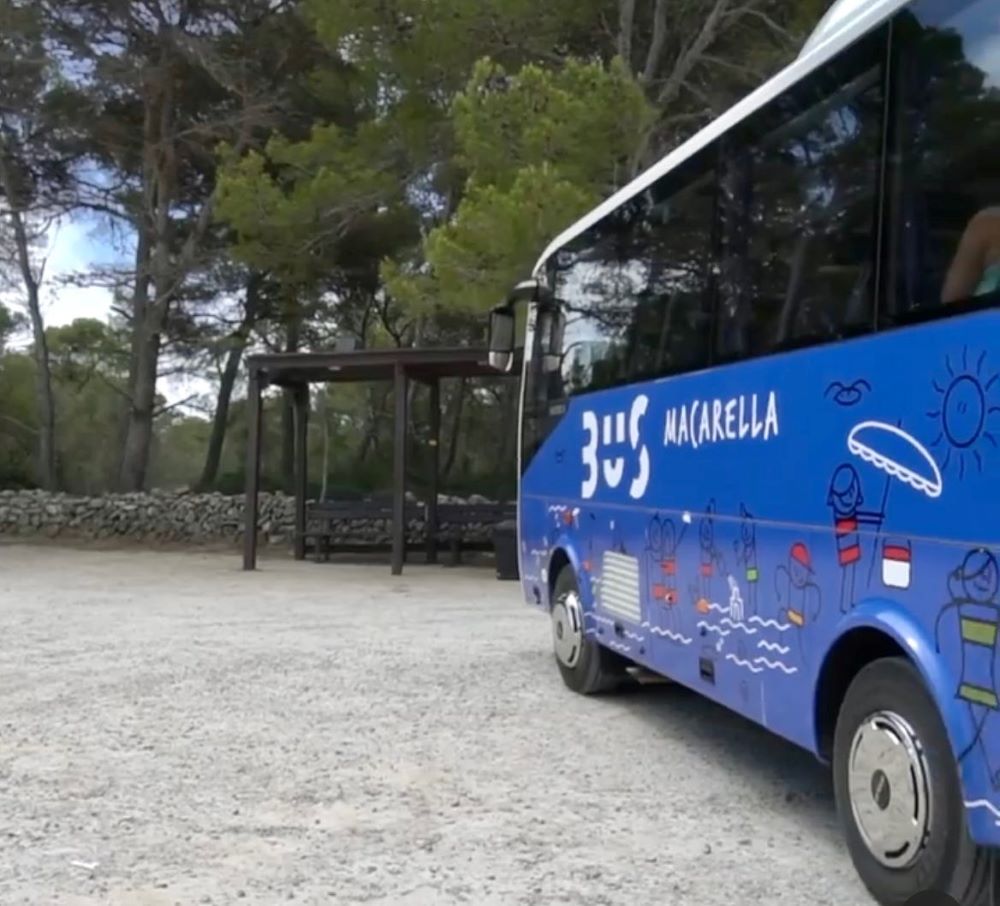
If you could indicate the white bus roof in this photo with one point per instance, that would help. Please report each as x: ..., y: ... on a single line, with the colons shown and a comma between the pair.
x: 844, y: 23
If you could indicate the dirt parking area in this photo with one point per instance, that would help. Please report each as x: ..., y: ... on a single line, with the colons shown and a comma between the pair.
x: 177, y: 732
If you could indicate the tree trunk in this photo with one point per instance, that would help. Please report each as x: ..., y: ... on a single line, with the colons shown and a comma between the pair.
x: 147, y: 326
x: 288, y: 409
x: 142, y: 404
x: 626, y: 22
x: 47, y: 472
x: 376, y: 409
x: 44, y: 400
x: 154, y: 268
x: 322, y: 403
x: 230, y: 372
x: 456, y: 425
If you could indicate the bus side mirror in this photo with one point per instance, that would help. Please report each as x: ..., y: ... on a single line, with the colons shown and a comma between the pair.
x: 501, y: 340
x: 551, y: 326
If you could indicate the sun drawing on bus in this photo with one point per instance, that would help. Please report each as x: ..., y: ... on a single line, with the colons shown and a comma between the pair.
x: 965, y: 411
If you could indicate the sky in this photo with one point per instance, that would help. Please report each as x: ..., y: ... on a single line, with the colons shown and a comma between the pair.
x: 73, y: 249
x: 75, y: 246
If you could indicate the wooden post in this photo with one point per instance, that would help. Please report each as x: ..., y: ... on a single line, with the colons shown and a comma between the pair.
x: 301, y: 468
x: 254, y: 419
x: 399, y: 472
x: 435, y: 442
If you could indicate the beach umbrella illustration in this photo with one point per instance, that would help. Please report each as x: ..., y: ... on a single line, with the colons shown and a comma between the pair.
x: 903, y: 458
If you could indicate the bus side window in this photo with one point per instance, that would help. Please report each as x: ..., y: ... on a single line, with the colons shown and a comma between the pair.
x: 679, y: 257
x: 944, y: 181
x: 799, y: 211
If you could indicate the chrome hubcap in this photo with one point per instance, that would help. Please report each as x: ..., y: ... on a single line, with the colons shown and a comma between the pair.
x: 567, y: 629
x: 890, y: 791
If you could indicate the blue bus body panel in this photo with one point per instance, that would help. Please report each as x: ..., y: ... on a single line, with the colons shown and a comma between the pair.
x: 728, y: 527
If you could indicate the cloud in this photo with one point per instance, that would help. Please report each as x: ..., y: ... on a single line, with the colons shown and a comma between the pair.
x: 73, y: 249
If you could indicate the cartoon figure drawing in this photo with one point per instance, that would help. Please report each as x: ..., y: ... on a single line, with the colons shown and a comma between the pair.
x: 900, y: 457
x: 974, y: 588
x: 662, y: 542
x: 736, y: 607
x: 746, y: 557
x: 799, y: 598
x: 846, y: 500
x: 710, y: 561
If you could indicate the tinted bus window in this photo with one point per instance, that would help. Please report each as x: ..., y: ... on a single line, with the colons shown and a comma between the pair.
x: 672, y: 329
x: 598, y: 279
x: 800, y: 187
x: 945, y: 185
x: 636, y: 289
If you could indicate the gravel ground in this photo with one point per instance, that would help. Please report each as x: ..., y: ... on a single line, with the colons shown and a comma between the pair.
x: 177, y: 732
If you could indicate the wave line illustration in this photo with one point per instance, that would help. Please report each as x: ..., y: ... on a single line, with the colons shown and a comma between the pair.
x: 776, y: 665
x: 774, y: 647
x: 984, y: 804
x: 742, y: 663
x: 709, y: 627
x: 670, y: 634
x: 737, y: 625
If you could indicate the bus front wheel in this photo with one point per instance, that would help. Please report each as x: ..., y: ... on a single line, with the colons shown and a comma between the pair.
x: 586, y: 667
x: 898, y: 792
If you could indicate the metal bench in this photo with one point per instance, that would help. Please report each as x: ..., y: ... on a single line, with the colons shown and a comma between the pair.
x: 456, y: 520
x: 322, y: 516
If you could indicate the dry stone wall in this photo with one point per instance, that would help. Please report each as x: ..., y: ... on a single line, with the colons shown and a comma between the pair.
x: 181, y: 518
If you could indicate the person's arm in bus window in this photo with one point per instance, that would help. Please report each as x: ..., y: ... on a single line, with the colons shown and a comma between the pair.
x: 970, y: 260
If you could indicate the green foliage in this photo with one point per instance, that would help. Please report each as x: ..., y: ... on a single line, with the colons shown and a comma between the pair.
x: 540, y: 148
x: 179, y: 451
x: 582, y: 119
x: 87, y: 362
x: 290, y: 203
x: 10, y: 323
x: 427, y: 48
x: 492, y: 241
x: 18, y: 424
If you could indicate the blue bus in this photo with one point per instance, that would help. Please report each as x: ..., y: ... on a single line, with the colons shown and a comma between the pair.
x: 760, y: 430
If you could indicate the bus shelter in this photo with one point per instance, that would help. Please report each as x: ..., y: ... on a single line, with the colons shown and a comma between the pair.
x: 298, y: 371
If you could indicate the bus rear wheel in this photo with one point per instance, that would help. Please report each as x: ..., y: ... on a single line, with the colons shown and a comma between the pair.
x: 898, y: 792
x: 586, y: 667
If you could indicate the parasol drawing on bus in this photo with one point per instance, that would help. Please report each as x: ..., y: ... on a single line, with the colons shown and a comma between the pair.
x: 900, y: 455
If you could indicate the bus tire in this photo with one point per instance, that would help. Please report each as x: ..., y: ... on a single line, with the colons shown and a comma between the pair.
x: 585, y: 666
x: 891, y: 751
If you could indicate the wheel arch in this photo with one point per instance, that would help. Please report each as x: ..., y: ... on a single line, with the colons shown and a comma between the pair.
x: 564, y: 555
x: 877, y: 630
x: 848, y: 656
x: 557, y: 563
